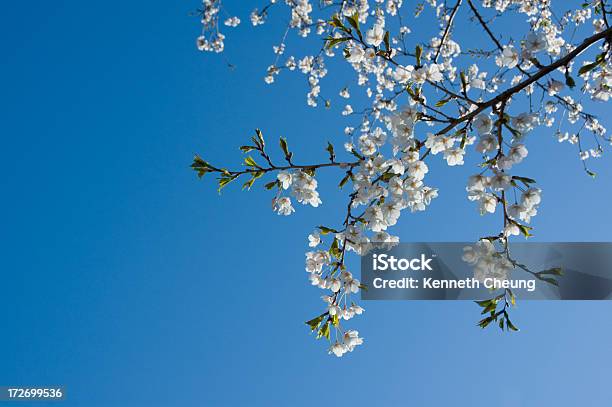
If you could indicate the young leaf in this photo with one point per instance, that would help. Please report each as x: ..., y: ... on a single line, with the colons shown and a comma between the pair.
x: 549, y: 280
x: 331, y: 42
x: 512, y: 297
x: 588, y: 67
x: 285, y: 148
x: 483, y: 323
x: 201, y: 166
x: 489, y: 308
x: 418, y: 52
x: 310, y: 171
x: 330, y: 150
x: 509, y: 323
x: 335, y: 22
x: 442, y: 102
x: 314, y: 323
x: 524, y: 180
x: 260, y: 138
x: 463, y: 80
x: 224, y: 180
x: 344, y: 180
x: 249, y: 161
x: 246, y: 149
x: 557, y: 271
x: 254, y: 176
x: 354, y: 22
x: 356, y: 154
x: 325, y: 230
x: 334, y: 250
x: 484, y: 303
x: 324, y: 331
x: 524, y: 229
x: 272, y: 184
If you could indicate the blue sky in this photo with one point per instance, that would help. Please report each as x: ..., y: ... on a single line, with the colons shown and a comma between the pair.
x: 132, y: 283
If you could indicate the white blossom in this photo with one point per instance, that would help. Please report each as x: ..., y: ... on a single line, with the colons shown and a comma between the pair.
x: 509, y: 57
x: 375, y: 35
x: 314, y: 239
x: 283, y: 206
x: 535, y: 42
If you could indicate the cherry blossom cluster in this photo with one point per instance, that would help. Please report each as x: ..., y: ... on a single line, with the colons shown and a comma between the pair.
x: 487, y: 261
x: 211, y: 39
x: 303, y: 188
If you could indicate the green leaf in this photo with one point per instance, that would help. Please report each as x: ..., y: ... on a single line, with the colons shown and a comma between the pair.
x: 524, y: 229
x: 509, y: 323
x: 314, y: 323
x: 254, y: 175
x: 248, y: 184
x: 272, y: 184
x: 489, y: 308
x: 335, y: 22
x: 524, y: 180
x: 324, y: 331
x: 224, y: 180
x: 285, y: 148
x: 386, y: 177
x: 200, y: 166
x: 463, y: 141
x: 418, y: 52
x: 345, y: 180
x: 325, y: 230
x: 331, y: 42
x: 330, y: 150
x: 549, y: 280
x: 484, y: 303
x: 514, y: 131
x: 599, y: 60
x: 386, y: 40
x: 354, y: 22
x: 334, y: 250
x: 463, y: 80
x: 586, y: 68
x: 246, y: 149
x: 415, y: 93
x: 442, y: 102
x: 356, y: 154
x: 310, y: 171
x: 249, y: 161
x: 262, y: 144
x: 483, y: 323
x: 512, y: 297
x: 569, y: 81
x: 556, y: 271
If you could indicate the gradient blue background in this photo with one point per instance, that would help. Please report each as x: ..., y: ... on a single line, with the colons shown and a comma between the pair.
x: 132, y: 283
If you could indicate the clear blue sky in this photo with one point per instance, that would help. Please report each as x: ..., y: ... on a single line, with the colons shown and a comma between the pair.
x: 132, y: 283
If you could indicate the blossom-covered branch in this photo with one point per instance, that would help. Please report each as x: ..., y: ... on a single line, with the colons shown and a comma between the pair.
x: 426, y: 97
